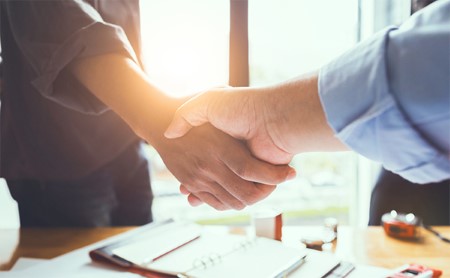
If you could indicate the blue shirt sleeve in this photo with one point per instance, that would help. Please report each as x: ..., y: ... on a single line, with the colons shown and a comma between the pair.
x: 52, y: 34
x: 389, y: 98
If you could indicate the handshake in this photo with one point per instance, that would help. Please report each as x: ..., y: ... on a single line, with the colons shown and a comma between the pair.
x: 271, y: 125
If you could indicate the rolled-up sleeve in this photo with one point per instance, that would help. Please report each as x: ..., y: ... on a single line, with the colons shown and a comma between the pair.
x: 52, y: 34
x: 389, y: 98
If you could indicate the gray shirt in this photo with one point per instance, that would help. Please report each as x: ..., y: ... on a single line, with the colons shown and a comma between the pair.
x: 53, y: 128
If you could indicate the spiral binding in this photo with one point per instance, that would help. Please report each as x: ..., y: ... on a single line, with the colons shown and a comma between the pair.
x: 206, y: 261
x: 246, y: 244
x: 215, y: 258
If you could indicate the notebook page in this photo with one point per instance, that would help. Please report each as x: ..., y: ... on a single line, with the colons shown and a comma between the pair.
x: 207, y: 246
x: 264, y: 258
x: 153, y: 245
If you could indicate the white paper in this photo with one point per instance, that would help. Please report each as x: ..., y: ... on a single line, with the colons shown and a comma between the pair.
x: 151, y: 247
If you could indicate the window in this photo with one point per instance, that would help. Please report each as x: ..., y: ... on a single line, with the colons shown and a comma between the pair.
x: 185, y: 44
x: 291, y: 37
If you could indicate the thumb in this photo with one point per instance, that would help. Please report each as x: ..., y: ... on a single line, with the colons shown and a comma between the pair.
x: 190, y: 114
x: 177, y: 128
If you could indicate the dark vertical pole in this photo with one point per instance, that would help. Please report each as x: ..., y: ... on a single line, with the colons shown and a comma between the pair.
x: 239, y: 68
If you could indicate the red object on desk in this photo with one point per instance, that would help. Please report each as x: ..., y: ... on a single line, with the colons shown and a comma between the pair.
x: 416, y: 270
x: 401, y: 225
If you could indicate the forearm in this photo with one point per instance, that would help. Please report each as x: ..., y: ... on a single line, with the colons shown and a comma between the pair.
x: 295, y: 114
x: 122, y: 85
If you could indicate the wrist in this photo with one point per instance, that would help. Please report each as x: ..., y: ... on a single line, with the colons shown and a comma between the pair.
x: 310, y: 122
x: 297, y: 122
x: 150, y: 122
x: 277, y: 114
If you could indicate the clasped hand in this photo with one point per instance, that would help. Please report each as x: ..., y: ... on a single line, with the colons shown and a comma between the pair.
x: 274, y: 122
x: 253, y: 177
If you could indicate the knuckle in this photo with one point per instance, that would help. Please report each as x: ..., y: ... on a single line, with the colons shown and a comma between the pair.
x: 256, y: 195
x: 197, y: 184
x: 235, y: 203
x: 183, y: 190
x: 247, y: 200
x: 242, y: 170
x: 191, y: 187
x: 202, y: 167
x: 220, y: 207
x: 217, y: 205
x: 265, y: 190
x: 251, y: 200
x: 252, y: 195
x: 212, y: 201
x: 187, y: 179
x: 178, y: 114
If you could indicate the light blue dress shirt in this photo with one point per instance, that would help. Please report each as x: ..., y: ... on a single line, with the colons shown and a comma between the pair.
x: 389, y: 98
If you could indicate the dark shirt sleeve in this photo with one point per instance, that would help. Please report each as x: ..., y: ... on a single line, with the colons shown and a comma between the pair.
x: 52, y: 34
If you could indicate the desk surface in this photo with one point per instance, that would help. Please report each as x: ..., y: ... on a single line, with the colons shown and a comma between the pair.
x: 367, y: 246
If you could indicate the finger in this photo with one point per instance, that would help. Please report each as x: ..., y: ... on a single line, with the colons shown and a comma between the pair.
x: 245, y: 191
x: 194, y: 200
x: 184, y: 190
x: 265, y: 189
x: 218, y: 191
x: 191, y: 113
x: 207, y: 198
x: 246, y: 166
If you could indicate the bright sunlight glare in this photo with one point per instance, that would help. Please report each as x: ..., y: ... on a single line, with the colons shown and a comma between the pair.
x: 185, y: 44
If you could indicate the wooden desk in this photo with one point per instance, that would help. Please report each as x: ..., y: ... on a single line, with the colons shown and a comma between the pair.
x: 371, y: 246
x: 367, y: 246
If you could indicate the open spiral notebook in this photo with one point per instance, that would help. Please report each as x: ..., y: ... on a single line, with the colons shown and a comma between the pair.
x: 177, y: 249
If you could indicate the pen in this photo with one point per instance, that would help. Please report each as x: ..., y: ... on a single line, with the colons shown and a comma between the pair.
x: 294, y: 266
x: 150, y: 260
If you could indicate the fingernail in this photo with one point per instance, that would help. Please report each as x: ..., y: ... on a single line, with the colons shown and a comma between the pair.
x: 169, y: 134
x: 291, y: 175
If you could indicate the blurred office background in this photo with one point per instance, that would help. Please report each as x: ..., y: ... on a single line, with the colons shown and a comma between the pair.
x: 187, y: 49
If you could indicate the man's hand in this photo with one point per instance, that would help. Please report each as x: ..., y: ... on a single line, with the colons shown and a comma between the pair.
x: 240, y: 112
x: 276, y: 122
x: 219, y: 170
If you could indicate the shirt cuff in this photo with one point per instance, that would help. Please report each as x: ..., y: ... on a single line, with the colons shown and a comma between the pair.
x: 96, y: 39
x: 360, y: 108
